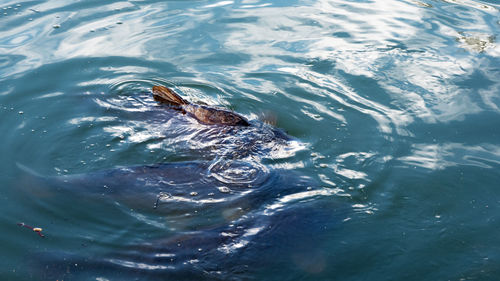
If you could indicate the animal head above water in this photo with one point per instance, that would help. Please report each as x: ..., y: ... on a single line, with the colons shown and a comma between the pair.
x: 204, y: 114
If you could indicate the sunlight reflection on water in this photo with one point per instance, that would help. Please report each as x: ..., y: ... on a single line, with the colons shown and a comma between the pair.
x: 386, y: 108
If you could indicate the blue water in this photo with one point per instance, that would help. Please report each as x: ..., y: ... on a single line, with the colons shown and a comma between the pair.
x: 373, y: 151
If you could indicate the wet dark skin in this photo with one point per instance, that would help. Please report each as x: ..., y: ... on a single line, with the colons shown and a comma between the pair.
x: 204, y: 114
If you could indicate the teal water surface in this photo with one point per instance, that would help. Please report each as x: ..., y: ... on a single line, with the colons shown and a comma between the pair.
x: 373, y: 151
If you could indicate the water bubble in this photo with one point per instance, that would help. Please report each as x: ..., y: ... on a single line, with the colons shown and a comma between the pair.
x: 224, y: 189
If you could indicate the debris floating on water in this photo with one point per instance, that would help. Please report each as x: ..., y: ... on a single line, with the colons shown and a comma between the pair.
x: 38, y: 230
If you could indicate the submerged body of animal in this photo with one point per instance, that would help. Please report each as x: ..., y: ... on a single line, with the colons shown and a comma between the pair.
x: 226, y: 213
x: 184, y: 223
x: 204, y: 114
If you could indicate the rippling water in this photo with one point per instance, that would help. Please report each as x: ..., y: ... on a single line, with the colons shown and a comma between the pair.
x: 372, y: 155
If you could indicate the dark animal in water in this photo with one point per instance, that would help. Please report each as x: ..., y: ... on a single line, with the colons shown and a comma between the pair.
x: 211, y: 229
x: 204, y: 114
x: 229, y: 215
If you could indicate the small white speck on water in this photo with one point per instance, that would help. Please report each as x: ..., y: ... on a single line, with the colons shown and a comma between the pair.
x: 21, y: 112
x: 56, y: 26
x: 194, y: 193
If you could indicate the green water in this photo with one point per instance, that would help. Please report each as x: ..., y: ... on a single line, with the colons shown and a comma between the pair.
x: 381, y: 162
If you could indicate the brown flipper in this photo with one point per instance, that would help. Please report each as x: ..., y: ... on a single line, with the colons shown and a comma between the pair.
x: 204, y: 114
x: 164, y: 94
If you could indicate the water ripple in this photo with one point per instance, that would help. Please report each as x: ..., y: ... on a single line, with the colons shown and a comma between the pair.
x: 364, y: 105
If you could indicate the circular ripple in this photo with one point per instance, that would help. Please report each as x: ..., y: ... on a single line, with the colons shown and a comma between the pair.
x: 239, y: 172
